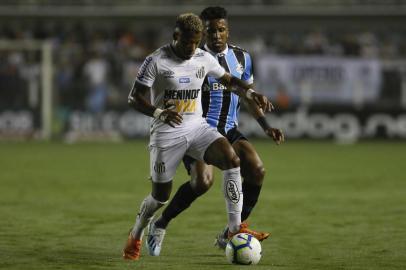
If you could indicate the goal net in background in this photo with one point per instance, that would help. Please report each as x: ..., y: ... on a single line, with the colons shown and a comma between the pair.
x: 26, y: 89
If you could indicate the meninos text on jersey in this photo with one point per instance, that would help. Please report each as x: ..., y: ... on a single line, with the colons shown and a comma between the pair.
x: 182, y: 94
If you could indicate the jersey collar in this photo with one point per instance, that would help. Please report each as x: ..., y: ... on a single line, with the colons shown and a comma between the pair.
x: 214, y: 53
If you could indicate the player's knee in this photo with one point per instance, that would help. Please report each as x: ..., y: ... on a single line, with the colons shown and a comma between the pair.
x: 235, y: 161
x: 258, y: 173
x: 231, y: 161
x: 203, y: 183
x: 254, y: 174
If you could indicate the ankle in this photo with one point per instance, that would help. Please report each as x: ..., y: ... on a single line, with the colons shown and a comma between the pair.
x: 233, y: 229
x: 161, y: 223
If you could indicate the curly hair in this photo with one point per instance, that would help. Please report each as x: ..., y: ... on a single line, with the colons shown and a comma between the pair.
x: 189, y: 23
x: 212, y: 13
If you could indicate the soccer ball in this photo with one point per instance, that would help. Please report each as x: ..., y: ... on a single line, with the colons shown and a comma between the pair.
x: 243, y: 248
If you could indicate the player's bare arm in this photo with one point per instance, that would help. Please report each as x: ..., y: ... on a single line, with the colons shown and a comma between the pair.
x: 275, y: 133
x: 242, y: 89
x: 256, y: 112
x: 139, y: 102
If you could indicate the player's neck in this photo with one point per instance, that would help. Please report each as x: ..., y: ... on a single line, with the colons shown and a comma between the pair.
x: 176, y: 52
x: 216, y: 51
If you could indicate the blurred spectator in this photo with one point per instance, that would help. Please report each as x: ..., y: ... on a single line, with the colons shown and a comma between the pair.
x: 95, y: 64
x: 12, y: 86
x: 315, y: 43
x: 350, y: 45
x: 96, y: 71
x: 368, y: 45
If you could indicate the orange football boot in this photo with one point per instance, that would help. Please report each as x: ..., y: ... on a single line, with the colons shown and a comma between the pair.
x: 132, y: 250
x: 244, y: 229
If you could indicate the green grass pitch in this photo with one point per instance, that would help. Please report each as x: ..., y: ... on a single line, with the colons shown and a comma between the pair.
x: 328, y: 206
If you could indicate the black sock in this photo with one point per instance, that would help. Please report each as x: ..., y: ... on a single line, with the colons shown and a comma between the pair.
x: 184, y: 196
x: 251, y: 194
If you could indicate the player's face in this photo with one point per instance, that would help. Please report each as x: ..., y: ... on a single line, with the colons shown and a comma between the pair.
x: 187, y: 43
x: 216, y: 34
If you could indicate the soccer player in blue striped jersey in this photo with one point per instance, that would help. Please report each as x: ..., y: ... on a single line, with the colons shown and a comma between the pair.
x: 221, y: 109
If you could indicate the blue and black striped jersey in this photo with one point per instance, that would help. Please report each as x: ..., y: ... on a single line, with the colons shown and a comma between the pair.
x: 221, y: 108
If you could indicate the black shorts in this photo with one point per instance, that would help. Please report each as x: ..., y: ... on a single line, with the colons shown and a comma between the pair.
x: 232, y: 136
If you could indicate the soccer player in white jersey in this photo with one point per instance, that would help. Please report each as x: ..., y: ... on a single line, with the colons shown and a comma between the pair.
x: 174, y: 75
x: 221, y: 110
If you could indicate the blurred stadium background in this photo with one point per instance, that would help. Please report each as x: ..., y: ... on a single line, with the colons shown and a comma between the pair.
x: 335, y: 69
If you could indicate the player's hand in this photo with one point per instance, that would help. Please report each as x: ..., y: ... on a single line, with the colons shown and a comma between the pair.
x: 276, y: 135
x: 263, y: 102
x: 170, y: 117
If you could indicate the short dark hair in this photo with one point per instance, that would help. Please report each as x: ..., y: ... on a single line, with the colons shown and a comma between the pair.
x: 189, y: 23
x: 212, y: 13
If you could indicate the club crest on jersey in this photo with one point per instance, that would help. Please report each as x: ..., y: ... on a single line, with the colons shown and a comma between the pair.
x: 240, y: 68
x: 200, y: 73
x: 184, y: 80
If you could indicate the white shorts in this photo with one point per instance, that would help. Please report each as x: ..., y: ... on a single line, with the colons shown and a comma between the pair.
x: 167, y: 153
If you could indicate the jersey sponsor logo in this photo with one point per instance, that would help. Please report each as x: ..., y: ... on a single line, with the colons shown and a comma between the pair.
x: 143, y: 69
x: 185, y: 106
x: 200, y: 73
x: 232, y: 191
x: 181, y: 94
x: 184, y: 80
x: 182, y: 101
x: 159, y: 167
x: 218, y: 86
x: 168, y: 73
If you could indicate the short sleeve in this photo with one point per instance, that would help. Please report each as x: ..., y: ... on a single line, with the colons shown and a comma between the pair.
x: 248, y: 75
x: 148, y: 71
x: 214, y: 69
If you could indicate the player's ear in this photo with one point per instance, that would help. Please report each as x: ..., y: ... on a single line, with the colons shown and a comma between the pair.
x: 204, y: 34
x: 176, y: 34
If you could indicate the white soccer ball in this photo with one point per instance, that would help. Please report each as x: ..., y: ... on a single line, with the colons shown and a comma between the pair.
x: 243, y: 248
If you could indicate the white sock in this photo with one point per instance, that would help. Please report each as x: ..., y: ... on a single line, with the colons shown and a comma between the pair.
x: 148, y: 207
x: 232, y: 189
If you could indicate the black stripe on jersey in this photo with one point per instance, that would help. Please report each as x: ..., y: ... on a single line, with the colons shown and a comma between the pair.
x: 225, y: 106
x: 205, y: 96
x: 239, y: 54
x: 236, y: 48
